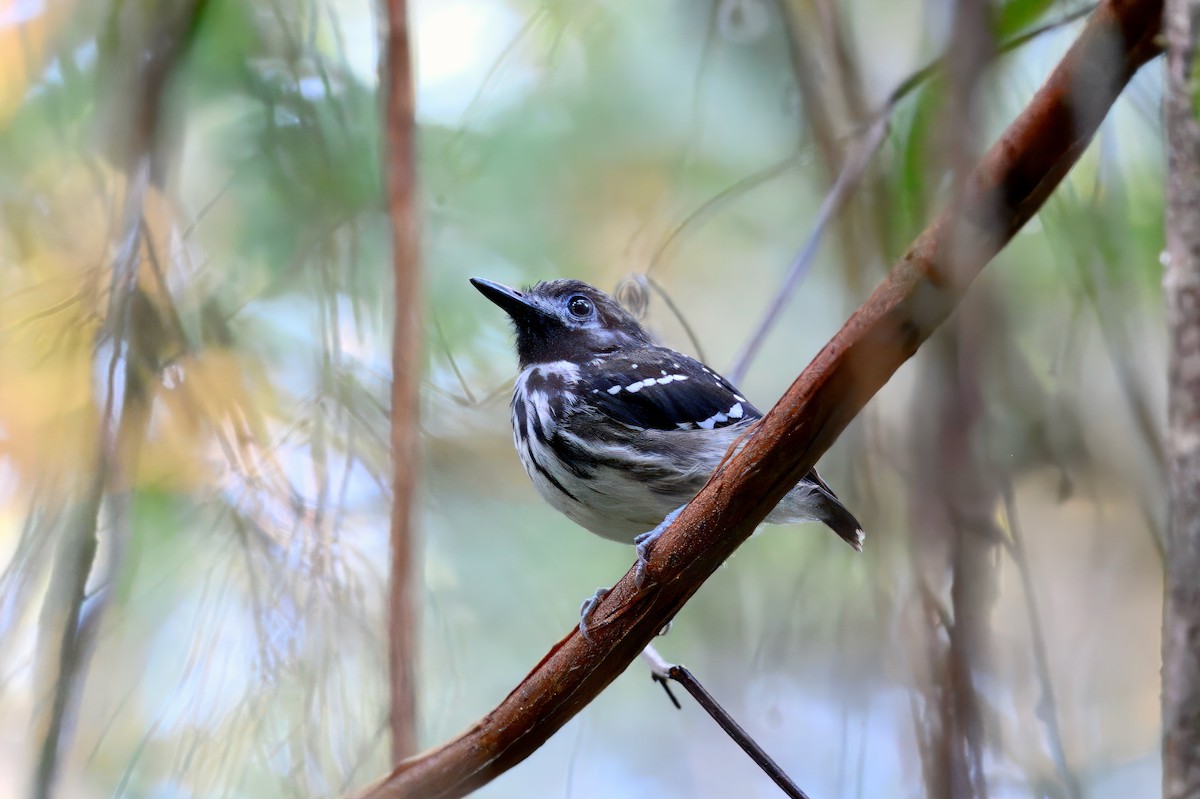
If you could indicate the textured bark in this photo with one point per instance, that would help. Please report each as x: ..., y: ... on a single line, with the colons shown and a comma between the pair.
x: 1181, y: 608
x: 403, y: 622
x: 1001, y: 194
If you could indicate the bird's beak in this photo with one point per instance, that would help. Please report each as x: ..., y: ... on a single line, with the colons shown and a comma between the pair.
x: 515, y: 303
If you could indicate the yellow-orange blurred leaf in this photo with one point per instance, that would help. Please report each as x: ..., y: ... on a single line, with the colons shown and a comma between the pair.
x: 25, y: 29
x: 47, y: 402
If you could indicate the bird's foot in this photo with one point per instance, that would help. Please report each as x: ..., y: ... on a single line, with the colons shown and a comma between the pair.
x: 588, y: 609
x: 644, y: 544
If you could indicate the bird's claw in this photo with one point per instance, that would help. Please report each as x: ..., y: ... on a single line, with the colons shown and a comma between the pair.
x: 644, y: 544
x: 588, y: 609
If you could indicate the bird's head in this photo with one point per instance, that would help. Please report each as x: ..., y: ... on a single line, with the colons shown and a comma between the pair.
x: 564, y: 320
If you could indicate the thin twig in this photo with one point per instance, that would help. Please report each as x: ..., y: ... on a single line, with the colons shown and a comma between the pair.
x: 661, y: 671
x: 710, y: 205
x: 687, y: 328
x: 847, y: 181
x: 913, y: 81
x: 1047, y: 709
x: 826, y: 80
x: 445, y: 347
x: 493, y: 73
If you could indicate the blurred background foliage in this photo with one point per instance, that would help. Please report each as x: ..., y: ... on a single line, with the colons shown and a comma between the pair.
x: 194, y: 332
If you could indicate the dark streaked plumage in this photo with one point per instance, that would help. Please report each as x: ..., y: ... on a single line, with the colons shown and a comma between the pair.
x: 617, y: 432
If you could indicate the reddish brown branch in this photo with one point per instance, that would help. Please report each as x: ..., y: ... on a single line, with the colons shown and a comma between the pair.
x: 1001, y: 194
x: 406, y: 372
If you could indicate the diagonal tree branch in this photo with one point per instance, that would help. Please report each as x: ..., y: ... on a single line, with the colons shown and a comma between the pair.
x: 1000, y: 195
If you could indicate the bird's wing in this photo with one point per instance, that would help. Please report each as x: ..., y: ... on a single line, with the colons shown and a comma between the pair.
x: 659, y: 389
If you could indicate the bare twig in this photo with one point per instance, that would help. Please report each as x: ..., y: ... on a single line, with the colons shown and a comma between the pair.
x: 829, y: 81
x: 60, y: 618
x: 678, y: 314
x: 1047, y: 708
x: 445, y: 347
x: 662, y: 671
x: 847, y: 180
x: 406, y: 375
x: 710, y: 205
x: 1002, y: 193
x: 913, y: 81
x: 1109, y: 308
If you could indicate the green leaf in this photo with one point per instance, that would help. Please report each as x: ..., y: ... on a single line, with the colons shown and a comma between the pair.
x: 1017, y: 15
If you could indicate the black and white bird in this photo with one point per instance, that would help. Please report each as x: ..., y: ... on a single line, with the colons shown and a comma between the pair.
x: 617, y: 432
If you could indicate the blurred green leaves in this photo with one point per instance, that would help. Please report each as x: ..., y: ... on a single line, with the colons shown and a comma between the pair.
x: 1015, y: 16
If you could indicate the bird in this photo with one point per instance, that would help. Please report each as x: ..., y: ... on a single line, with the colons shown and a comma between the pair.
x: 617, y: 432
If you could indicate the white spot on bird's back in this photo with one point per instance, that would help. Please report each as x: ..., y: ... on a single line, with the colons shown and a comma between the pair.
x: 614, y: 390
x: 736, y: 411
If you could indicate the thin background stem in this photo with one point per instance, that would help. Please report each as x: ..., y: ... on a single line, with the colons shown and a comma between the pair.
x: 406, y: 375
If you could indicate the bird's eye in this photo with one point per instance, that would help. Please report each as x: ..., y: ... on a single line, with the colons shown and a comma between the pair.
x: 579, y: 306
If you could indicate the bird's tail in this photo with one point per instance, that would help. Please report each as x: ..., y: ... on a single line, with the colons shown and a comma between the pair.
x: 833, y: 513
x: 830, y: 510
x: 812, y: 500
